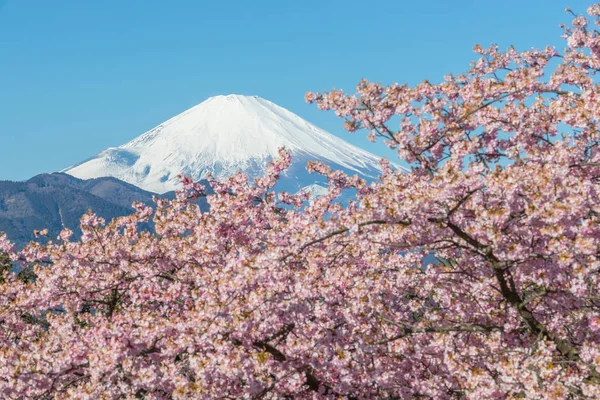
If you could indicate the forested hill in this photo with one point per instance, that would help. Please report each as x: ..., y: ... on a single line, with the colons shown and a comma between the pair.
x: 58, y: 200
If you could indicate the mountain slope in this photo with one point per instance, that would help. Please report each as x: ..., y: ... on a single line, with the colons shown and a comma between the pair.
x: 54, y: 201
x: 222, y: 135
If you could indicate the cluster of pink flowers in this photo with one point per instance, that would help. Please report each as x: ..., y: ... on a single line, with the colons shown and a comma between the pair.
x: 474, y: 275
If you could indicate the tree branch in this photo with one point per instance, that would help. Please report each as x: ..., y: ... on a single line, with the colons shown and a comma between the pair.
x: 340, y: 232
x: 407, y: 330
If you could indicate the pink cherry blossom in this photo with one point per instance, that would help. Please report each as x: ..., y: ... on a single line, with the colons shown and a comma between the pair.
x: 473, y: 275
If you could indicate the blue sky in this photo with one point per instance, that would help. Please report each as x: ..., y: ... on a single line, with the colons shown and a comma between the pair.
x: 78, y: 76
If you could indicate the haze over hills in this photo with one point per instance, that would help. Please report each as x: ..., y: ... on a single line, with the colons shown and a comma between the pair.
x: 220, y: 136
x: 55, y: 201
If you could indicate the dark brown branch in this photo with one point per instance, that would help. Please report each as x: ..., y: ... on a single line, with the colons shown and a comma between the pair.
x: 312, y: 382
x: 407, y: 330
x: 462, y: 201
x: 340, y: 232
x: 508, y: 291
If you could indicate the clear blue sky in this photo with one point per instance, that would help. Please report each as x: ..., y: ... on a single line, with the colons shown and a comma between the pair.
x: 77, y: 76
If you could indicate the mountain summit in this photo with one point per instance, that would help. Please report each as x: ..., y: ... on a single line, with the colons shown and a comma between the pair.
x: 222, y: 135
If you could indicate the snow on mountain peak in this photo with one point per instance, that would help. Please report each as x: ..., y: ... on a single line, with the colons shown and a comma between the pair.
x: 222, y: 135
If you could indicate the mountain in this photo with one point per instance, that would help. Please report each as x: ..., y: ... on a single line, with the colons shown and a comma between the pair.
x: 58, y: 200
x: 222, y: 135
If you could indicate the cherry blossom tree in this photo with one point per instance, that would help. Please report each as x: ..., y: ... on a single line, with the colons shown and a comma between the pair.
x: 474, y: 275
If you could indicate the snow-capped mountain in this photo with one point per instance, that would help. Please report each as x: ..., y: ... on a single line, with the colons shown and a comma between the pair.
x: 223, y: 135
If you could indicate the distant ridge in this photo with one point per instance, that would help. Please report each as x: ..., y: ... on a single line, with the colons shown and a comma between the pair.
x: 54, y: 201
